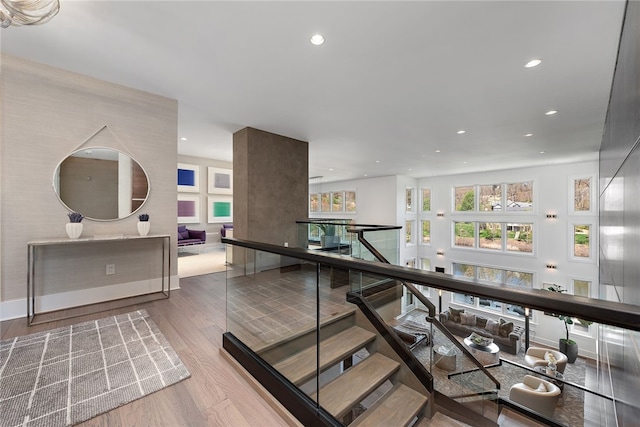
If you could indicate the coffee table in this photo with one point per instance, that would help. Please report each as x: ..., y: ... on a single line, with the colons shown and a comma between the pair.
x: 486, y: 354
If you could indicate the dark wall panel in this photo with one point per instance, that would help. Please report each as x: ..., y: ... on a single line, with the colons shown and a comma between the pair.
x: 620, y: 220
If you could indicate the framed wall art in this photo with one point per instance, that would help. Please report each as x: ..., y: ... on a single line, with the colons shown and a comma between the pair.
x: 220, y: 181
x: 188, y: 208
x: 220, y: 208
x: 188, y: 178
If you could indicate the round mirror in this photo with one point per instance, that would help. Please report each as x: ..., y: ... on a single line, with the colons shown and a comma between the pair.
x: 101, y: 183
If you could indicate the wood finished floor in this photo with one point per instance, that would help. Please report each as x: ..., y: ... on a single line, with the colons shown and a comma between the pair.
x: 193, y: 321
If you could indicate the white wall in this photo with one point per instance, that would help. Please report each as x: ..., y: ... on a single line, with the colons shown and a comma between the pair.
x: 552, y: 237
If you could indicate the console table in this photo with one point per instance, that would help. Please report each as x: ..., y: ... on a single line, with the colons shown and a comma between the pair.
x: 32, y: 259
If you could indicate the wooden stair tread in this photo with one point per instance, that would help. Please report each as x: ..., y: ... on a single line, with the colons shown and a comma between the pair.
x: 301, y: 366
x: 398, y: 407
x: 356, y: 383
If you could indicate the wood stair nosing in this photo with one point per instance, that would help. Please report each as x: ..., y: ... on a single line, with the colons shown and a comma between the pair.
x: 398, y: 407
x: 356, y: 383
x: 301, y: 366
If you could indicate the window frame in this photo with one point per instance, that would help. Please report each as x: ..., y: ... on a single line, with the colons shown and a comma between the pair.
x: 571, y: 229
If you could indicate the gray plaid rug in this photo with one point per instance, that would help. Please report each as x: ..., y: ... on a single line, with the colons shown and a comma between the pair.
x: 67, y: 375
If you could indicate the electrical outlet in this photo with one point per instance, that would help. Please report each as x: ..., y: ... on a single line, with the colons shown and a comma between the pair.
x: 111, y: 269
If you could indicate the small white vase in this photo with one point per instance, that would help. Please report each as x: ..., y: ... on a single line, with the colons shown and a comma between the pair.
x: 74, y: 229
x: 143, y: 227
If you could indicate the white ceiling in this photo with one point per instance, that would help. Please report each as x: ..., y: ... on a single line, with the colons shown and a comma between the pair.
x: 393, y: 83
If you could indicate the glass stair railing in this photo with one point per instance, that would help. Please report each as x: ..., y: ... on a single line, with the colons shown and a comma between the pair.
x: 332, y: 360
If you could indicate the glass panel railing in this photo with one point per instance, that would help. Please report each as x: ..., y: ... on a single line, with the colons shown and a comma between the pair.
x: 385, y: 241
x: 273, y: 297
x: 456, y: 373
x: 328, y: 235
x: 288, y: 312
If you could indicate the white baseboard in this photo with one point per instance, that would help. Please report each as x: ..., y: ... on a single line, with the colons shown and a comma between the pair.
x: 15, y: 309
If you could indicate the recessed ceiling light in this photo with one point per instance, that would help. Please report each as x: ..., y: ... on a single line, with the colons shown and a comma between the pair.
x: 331, y: 169
x: 183, y: 139
x: 377, y: 161
x: 533, y: 63
x: 542, y: 152
x: 317, y: 39
x: 461, y: 131
x: 437, y: 151
x: 528, y: 134
x: 551, y: 112
x: 465, y: 162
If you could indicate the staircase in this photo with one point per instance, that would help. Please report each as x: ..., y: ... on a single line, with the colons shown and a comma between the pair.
x: 345, y: 390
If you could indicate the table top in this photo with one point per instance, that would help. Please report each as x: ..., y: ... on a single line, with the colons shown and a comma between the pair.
x: 543, y: 370
x: 96, y: 239
x: 491, y: 348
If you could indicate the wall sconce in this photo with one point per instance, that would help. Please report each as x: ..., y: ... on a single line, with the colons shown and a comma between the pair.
x: 440, y: 214
x: 552, y: 216
x: 440, y: 252
x: 552, y: 266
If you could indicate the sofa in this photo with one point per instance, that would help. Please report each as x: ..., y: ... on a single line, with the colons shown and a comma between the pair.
x: 188, y: 237
x: 506, y: 335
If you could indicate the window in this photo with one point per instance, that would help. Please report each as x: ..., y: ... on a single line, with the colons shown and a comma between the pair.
x: 325, y: 202
x: 464, y: 198
x: 520, y: 238
x: 408, y: 228
x: 425, y: 264
x: 490, y: 197
x: 582, y: 195
x: 581, y: 246
x: 409, y: 198
x: 426, y: 231
x: 492, y: 275
x: 350, y: 201
x: 490, y: 235
x: 411, y: 263
x: 426, y: 200
x: 314, y: 202
x: 337, y: 202
x: 581, y: 288
x: 520, y: 196
x: 464, y: 234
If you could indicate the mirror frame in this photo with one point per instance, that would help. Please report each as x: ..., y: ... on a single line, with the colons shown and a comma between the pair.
x: 56, y: 176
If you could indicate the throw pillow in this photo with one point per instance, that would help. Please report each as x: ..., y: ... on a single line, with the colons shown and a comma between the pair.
x: 505, y: 329
x: 492, y: 326
x: 468, y: 319
x: 455, y: 314
x: 481, y: 321
x: 541, y: 388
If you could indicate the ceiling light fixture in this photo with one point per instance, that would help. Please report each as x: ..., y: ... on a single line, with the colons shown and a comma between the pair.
x: 27, y: 12
x: 528, y: 134
x: 183, y: 139
x: 437, y: 151
x: 317, y: 39
x: 460, y: 132
x: 551, y: 112
x: 533, y: 63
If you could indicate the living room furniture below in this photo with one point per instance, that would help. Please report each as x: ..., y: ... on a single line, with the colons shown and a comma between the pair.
x: 486, y: 354
x: 557, y: 378
x: 225, y: 228
x: 538, y: 356
x: 413, y: 333
x: 505, y: 334
x: 536, y: 394
x: 188, y: 237
x: 444, y: 358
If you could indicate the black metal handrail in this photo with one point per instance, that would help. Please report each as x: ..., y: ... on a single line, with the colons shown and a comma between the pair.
x: 612, y: 313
